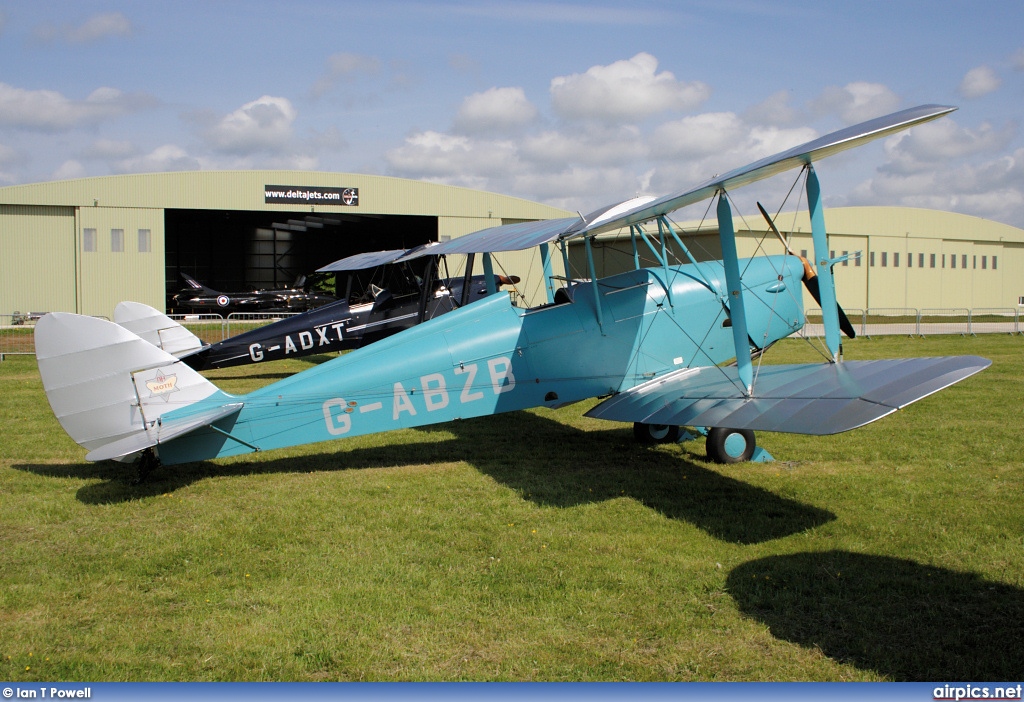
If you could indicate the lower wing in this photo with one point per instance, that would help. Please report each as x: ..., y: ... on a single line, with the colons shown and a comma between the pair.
x: 813, y: 399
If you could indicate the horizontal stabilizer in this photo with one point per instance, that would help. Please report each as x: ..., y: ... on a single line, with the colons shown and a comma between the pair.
x: 813, y: 399
x: 156, y: 328
x: 160, y: 432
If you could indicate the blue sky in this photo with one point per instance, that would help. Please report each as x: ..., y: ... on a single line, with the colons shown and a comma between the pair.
x: 569, y: 103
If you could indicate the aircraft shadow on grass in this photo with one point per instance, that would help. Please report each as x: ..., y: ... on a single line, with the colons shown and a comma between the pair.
x: 544, y: 460
x: 896, y: 617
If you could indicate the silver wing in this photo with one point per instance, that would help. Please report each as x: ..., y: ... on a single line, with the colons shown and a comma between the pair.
x: 813, y: 399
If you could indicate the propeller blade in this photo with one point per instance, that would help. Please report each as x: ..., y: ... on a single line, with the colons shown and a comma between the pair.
x: 810, y: 278
x: 771, y: 223
x: 844, y: 322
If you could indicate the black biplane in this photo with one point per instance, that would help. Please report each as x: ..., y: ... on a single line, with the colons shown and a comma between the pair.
x: 383, y: 293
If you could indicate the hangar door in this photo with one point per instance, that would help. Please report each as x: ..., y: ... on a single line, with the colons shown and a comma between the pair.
x: 37, y: 259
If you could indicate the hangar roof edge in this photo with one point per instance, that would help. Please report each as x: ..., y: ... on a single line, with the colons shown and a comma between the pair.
x: 246, y: 190
x: 876, y: 221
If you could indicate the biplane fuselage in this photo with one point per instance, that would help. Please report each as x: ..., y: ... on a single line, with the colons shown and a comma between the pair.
x: 653, y: 340
x: 491, y: 357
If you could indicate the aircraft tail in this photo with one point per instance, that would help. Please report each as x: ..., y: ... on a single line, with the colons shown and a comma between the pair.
x: 156, y: 328
x: 110, y: 389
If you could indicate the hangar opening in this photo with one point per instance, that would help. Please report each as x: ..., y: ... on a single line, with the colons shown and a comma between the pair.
x: 246, y: 250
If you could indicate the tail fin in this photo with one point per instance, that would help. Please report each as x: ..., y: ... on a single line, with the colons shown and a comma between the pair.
x: 110, y: 388
x: 156, y: 328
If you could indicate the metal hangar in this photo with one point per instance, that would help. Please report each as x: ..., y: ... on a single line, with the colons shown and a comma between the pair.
x: 84, y: 245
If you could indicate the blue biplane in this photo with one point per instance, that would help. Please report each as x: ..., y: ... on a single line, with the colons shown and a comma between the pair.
x: 655, y: 342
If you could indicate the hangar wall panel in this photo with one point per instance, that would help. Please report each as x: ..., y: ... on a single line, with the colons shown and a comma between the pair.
x: 37, y: 259
x: 109, y: 275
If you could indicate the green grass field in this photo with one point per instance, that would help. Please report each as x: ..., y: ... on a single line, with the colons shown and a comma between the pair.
x: 530, y: 546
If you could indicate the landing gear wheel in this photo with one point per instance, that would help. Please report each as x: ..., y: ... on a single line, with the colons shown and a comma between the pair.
x: 655, y: 433
x: 730, y: 445
x: 147, y: 462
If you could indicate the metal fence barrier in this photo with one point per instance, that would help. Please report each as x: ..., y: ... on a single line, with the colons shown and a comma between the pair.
x: 16, y: 330
x: 241, y: 322
x: 17, y: 333
x: 908, y: 321
x: 210, y: 328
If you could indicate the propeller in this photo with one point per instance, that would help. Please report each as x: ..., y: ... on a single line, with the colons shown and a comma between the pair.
x: 810, y: 277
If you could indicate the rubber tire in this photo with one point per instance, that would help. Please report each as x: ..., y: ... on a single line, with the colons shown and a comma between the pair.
x: 730, y: 445
x: 655, y: 433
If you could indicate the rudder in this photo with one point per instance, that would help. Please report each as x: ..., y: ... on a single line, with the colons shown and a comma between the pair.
x: 156, y: 328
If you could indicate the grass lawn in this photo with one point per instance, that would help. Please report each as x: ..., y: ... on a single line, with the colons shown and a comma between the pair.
x: 535, y: 545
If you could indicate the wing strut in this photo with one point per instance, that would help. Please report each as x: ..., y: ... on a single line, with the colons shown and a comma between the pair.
x: 594, y: 285
x: 733, y: 284
x: 489, y: 275
x: 549, y: 282
x: 685, y: 249
x: 826, y: 284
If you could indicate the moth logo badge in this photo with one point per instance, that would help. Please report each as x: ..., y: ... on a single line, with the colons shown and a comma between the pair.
x: 162, y: 385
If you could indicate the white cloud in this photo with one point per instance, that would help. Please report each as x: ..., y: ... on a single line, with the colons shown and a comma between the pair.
x: 263, y: 125
x: 70, y: 169
x: 48, y: 110
x: 765, y: 141
x: 344, y: 67
x: 992, y: 188
x: 979, y: 82
x: 497, y: 110
x: 590, y: 147
x: 107, y: 149
x: 625, y: 91
x: 453, y: 159
x: 858, y: 101
x: 698, y: 136
x: 606, y: 153
x: 578, y: 187
x: 775, y: 110
x: 928, y: 145
x: 96, y: 28
x: 168, y: 157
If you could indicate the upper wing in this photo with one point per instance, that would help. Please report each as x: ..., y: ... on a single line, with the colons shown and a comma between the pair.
x: 526, y: 235
x: 369, y: 259
x: 800, y: 399
x: 508, y: 237
x: 813, y: 150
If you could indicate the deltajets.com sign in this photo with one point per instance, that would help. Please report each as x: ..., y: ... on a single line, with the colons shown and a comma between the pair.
x: 300, y: 195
